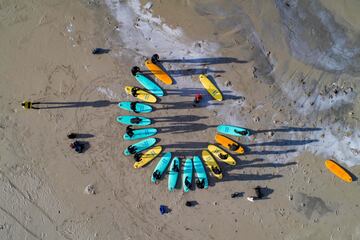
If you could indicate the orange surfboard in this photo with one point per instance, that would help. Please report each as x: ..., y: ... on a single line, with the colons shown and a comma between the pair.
x: 158, y: 72
x: 338, y: 170
x: 227, y: 142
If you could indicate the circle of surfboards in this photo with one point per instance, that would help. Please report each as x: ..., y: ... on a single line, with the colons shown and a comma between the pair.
x: 146, y: 149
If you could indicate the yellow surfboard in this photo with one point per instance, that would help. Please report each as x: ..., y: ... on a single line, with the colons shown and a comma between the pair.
x: 211, y: 164
x: 218, y: 152
x: 338, y: 170
x: 210, y: 87
x: 158, y: 72
x: 227, y: 142
x: 142, y: 95
x: 148, y: 156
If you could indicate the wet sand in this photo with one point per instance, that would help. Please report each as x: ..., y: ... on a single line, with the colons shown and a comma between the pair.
x: 46, y: 56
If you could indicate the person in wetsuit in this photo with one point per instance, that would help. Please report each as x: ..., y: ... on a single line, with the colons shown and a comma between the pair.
x: 244, y: 132
x: 136, y: 120
x: 130, y: 131
x: 133, y: 107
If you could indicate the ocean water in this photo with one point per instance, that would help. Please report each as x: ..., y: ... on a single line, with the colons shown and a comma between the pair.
x: 335, y: 57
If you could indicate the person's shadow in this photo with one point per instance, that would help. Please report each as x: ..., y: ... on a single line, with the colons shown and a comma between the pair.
x: 54, y: 105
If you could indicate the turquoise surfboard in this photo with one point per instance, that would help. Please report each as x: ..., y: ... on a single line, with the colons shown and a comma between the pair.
x: 140, y: 107
x: 134, y: 120
x: 161, y: 166
x: 233, y: 130
x: 149, y: 85
x: 140, y: 146
x: 188, y: 169
x: 141, y: 133
x: 173, y: 173
x: 200, y: 171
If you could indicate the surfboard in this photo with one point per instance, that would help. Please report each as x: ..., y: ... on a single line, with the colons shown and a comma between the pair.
x: 149, y: 85
x: 200, y: 171
x: 142, y: 95
x: 216, y: 151
x: 227, y: 142
x: 139, y: 107
x: 188, y: 169
x: 161, y: 166
x: 233, y: 130
x: 211, y: 163
x: 148, y: 156
x: 140, y: 146
x: 158, y: 72
x: 338, y: 171
x: 173, y: 173
x: 134, y: 120
x: 210, y: 87
x: 141, y: 133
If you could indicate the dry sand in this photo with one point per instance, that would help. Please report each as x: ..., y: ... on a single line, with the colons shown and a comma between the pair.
x: 45, y: 56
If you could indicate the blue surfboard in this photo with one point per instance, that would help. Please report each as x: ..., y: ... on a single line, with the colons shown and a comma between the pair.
x: 234, y: 130
x: 161, y: 167
x: 134, y: 120
x: 149, y: 85
x: 200, y: 172
x: 173, y: 173
x: 141, y: 133
x: 187, y: 175
x: 139, y: 107
x: 140, y: 146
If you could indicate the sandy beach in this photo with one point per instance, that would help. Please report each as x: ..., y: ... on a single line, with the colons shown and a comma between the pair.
x: 288, y: 70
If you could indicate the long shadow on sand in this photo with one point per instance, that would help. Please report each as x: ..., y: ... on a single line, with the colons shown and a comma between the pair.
x: 184, y: 105
x: 95, y: 104
x: 288, y: 129
x: 229, y: 176
x: 179, y: 118
x: 184, y: 128
x: 283, y: 142
x: 205, y: 61
x: 186, y: 72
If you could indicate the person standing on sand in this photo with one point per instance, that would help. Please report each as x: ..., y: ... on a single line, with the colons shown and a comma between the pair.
x: 197, y: 99
x: 258, y: 195
x: 29, y: 105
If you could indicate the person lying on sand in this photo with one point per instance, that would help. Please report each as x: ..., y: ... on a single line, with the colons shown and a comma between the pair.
x: 129, y: 131
x: 29, y: 105
x: 223, y: 156
x: 216, y: 170
x: 138, y: 156
x: 258, y: 194
x: 136, y: 120
x: 187, y: 182
x: 157, y: 175
x: 134, y: 91
x: 200, y: 183
x: 133, y: 106
x: 244, y: 132
x: 233, y: 147
x: 131, y: 149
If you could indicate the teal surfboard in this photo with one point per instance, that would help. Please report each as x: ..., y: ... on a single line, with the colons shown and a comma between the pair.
x: 187, y: 176
x: 134, y: 120
x: 233, y: 130
x: 200, y: 172
x: 141, y: 133
x: 173, y: 173
x: 139, y: 107
x: 161, y: 166
x: 149, y: 85
x: 140, y: 146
